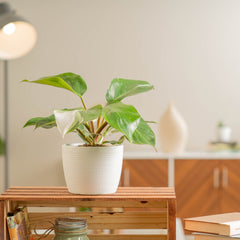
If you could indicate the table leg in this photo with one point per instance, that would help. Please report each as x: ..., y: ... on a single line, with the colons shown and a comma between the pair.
x: 172, y: 219
x: 3, y: 223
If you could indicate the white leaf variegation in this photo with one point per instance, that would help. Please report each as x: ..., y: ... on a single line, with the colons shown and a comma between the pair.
x: 67, y: 121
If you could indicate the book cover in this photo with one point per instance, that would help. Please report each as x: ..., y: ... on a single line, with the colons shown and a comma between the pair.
x: 205, y: 236
x: 18, y: 225
x: 226, y: 224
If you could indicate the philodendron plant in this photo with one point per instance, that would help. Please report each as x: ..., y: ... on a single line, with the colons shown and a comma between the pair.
x: 95, y: 123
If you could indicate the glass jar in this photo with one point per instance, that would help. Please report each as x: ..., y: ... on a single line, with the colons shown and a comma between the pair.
x: 71, y: 228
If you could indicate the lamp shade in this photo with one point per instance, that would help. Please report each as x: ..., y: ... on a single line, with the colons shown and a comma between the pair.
x: 17, y: 36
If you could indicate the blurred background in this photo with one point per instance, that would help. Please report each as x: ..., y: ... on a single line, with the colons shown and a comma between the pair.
x: 189, y: 50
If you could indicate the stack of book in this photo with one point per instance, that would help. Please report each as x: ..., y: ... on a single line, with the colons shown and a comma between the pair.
x: 223, y: 147
x: 214, y: 227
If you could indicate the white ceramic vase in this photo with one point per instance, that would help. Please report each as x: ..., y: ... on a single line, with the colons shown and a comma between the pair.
x: 92, y: 170
x: 173, y: 131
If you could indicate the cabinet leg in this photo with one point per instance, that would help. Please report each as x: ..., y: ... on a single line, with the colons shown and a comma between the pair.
x: 3, y: 222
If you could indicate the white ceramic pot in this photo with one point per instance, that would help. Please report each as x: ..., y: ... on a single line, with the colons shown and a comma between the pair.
x: 92, y: 170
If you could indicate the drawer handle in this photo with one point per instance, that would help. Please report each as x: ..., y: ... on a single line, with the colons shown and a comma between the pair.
x: 216, y: 175
x: 225, y: 177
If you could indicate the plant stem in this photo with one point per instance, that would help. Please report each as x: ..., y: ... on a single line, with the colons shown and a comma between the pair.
x: 83, y: 103
x: 87, y: 127
x: 101, y: 127
x: 80, y: 132
x: 99, y: 130
x: 91, y: 122
x: 91, y: 126
x: 98, y: 121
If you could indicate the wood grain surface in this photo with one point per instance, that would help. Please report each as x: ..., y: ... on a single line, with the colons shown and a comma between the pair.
x: 115, y: 218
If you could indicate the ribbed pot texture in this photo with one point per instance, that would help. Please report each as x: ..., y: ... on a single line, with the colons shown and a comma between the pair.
x: 92, y: 170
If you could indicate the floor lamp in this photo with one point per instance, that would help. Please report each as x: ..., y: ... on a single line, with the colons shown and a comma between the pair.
x: 17, y: 38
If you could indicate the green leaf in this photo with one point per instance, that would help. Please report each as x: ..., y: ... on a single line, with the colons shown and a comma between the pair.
x: 69, y: 120
x: 2, y: 146
x: 114, y: 142
x: 122, y: 117
x: 47, y: 122
x: 85, y: 131
x: 121, y: 88
x: 143, y: 134
x: 44, y: 122
x: 32, y: 121
x: 81, y: 131
x: 92, y: 113
x: 127, y: 120
x: 69, y: 81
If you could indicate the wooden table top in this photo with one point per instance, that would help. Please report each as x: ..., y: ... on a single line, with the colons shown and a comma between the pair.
x: 62, y: 194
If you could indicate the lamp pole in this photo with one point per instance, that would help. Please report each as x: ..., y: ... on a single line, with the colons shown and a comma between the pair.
x: 11, y: 47
x: 6, y: 164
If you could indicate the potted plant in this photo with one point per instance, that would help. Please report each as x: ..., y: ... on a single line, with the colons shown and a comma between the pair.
x: 223, y: 132
x: 94, y: 167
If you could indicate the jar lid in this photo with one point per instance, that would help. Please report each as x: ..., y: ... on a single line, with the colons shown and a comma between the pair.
x: 71, y: 222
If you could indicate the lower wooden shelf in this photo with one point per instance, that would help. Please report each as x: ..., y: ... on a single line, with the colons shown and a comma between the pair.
x: 116, y: 223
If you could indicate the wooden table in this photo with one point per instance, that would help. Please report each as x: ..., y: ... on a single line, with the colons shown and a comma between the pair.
x: 142, y: 208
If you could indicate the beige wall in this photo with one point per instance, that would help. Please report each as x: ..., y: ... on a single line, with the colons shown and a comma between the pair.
x: 188, y: 49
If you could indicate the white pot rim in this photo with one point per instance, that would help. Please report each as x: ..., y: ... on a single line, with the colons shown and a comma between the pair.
x: 89, y: 146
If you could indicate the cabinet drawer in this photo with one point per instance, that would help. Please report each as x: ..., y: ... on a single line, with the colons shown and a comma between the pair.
x: 197, y: 185
x: 145, y: 173
x: 230, y: 184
